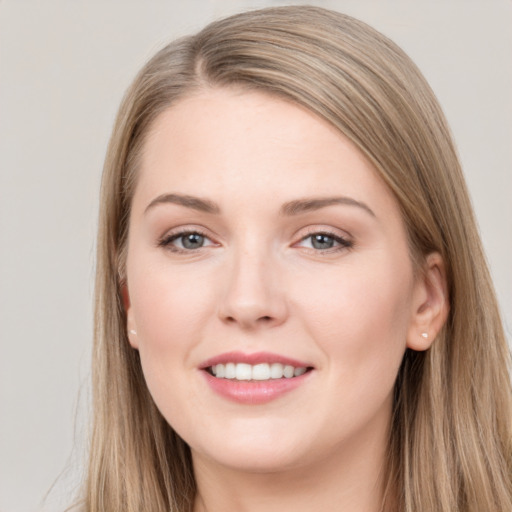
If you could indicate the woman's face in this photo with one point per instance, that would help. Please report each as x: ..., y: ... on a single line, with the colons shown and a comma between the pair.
x: 264, y: 248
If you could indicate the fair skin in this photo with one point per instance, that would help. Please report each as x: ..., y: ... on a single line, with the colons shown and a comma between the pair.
x: 256, y: 228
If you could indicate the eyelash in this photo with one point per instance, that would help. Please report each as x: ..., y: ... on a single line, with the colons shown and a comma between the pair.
x: 343, y: 243
x: 167, y: 241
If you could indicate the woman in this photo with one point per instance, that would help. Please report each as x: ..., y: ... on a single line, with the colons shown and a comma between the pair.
x: 293, y: 306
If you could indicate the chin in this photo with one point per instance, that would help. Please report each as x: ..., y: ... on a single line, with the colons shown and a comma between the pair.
x: 250, y: 460
x: 257, y: 449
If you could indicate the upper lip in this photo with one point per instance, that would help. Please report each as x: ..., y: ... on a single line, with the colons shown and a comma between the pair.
x: 252, y: 359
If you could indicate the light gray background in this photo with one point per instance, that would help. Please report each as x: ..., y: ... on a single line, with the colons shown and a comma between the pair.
x: 64, y: 66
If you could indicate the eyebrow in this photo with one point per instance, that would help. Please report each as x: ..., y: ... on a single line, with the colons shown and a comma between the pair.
x: 290, y: 208
x: 195, y: 203
x: 310, y: 204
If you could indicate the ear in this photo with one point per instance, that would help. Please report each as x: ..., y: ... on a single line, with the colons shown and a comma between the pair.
x: 430, y: 305
x: 130, y: 321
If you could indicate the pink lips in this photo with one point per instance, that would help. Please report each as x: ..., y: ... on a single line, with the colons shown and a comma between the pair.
x: 253, y: 392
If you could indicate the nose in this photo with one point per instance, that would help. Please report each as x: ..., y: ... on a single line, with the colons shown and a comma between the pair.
x: 253, y: 296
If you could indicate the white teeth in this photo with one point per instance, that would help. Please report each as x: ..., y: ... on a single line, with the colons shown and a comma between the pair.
x: 288, y: 371
x: 243, y: 371
x: 299, y: 371
x: 276, y: 371
x: 230, y: 371
x: 220, y: 371
x: 262, y: 371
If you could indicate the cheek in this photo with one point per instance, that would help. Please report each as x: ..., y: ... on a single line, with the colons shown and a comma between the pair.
x: 360, y: 325
x: 169, y: 309
x: 167, y: 303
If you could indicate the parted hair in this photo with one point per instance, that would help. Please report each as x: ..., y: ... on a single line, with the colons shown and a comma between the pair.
x: 450, y: 444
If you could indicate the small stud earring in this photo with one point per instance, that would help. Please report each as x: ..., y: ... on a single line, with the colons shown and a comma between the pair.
x: 425, y: 335
x: 133, y: 332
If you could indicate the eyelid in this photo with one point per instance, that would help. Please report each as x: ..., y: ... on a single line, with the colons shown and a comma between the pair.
x: 166, y: 240
x: 344, y: 240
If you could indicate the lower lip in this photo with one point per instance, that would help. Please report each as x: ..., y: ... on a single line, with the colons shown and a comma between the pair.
x: 254, y: 392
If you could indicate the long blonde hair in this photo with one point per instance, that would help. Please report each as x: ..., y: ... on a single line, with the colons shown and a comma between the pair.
x: 450, y: 443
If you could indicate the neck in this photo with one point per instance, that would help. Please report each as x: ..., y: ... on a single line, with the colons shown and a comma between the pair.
x: 350, y: 478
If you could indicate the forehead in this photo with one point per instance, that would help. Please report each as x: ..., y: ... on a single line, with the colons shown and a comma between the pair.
x: 230, y: 142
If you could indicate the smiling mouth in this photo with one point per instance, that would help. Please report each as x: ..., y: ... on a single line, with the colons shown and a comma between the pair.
x: 257, y: 372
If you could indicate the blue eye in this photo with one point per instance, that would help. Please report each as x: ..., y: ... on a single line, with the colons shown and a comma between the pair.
x: 324, y: 242
x: 321, y: 241
x: 192, y: 240
x: 185, y: 241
